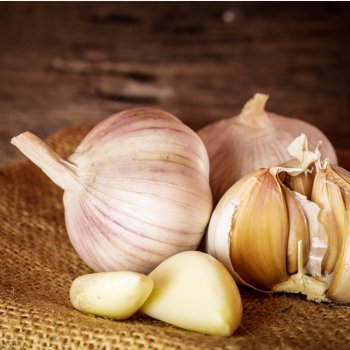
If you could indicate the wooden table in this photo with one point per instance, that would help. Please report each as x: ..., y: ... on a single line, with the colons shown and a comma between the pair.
x: 68, y: 63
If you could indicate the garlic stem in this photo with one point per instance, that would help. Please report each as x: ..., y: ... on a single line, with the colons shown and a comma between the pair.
x: 253, y: 112
x: 313, y: 288
x: 61, y: 172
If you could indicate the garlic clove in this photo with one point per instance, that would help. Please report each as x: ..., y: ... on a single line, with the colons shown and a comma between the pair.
x: 116, y: 295
x: 218, y: 237
x: 192, y: 290
x: 259, y: 234
x: 301, y: 184
x: 327, y: 195
x: 339, y: 290
x: 332, y: 193
x: 298, y: 231
x: 254, y: 139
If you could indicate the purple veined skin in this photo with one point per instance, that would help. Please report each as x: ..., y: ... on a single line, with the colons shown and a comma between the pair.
x: 252, y: 140
x: 136, y: 190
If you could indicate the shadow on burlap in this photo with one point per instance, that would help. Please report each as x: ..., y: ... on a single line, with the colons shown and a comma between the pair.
x: 38, y: 265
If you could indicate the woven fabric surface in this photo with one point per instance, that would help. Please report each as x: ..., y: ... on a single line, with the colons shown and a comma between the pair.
x: 38, y: 265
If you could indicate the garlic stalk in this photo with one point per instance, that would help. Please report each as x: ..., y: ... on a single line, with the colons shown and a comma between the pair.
x: 255, y: 229
x: 254, y: 139
x: 136, y: 190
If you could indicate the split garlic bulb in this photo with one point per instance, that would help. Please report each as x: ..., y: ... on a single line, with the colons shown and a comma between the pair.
x: 136, y: 190
x: 254, y: 139
x: 275, y: 239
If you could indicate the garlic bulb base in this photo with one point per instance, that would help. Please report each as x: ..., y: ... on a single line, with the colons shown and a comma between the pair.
x: 312, y: 288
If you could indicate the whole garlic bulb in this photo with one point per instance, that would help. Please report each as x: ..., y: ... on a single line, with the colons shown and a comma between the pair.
x: 274, y: 239
x: 136, y: 190
x: 254, y: 139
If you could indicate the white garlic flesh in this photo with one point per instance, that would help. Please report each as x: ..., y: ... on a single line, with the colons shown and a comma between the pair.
x: 194, y: 291
x: 254, y: 139
x: 116, y: 295
x: 136, y: 190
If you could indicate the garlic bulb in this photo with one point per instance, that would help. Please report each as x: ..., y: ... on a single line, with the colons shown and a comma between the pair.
x: 136, y: 190
x: 254, y: 139
x: 275, y: 239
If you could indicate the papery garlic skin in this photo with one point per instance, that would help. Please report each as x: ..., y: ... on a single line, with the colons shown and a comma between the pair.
x: 136, y: 189
x: 116, y: 295
x: 192, y: 290
x: 254, y: 139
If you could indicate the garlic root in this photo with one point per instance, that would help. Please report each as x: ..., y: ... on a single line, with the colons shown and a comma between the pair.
x: 312, y: 288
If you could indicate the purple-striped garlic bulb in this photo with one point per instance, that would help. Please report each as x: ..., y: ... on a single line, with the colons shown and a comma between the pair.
x: 136, y: 190
x: 254, y: 139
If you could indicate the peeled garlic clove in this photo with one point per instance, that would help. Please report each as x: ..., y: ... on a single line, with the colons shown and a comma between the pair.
x: 136, y: 190
x: 116, y: 295
x: 192, y: 290
x: 254, y: 139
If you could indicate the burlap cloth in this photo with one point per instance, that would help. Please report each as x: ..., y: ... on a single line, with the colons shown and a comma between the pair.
x: 38, y: 265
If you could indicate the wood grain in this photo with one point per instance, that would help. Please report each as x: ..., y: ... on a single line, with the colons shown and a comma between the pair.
x: 68, y: 63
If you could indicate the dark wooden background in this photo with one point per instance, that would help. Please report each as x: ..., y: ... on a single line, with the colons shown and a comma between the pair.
x: 73, y: 63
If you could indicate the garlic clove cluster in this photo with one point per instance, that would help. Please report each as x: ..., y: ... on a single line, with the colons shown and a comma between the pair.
x: 192, y: 290
x: 136, y: 190
x: 254, y: 139
x: 273, y: 238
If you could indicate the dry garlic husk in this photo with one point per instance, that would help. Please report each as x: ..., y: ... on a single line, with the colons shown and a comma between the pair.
x: 268, y: 235
x: 254, y: 139
x: 136, y: 190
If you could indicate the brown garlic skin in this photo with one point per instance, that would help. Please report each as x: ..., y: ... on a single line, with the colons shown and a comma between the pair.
x: 331, y: 191
x: 136, y: 190
x: 254, y: 139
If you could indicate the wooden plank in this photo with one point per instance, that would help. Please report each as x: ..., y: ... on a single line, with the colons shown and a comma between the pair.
x: 68, y: 63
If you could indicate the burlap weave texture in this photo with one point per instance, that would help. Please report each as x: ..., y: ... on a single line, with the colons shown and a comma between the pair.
x: 38, y: 265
